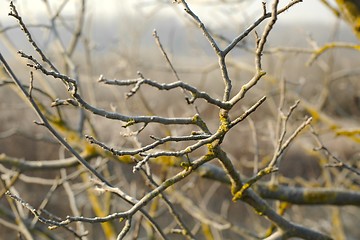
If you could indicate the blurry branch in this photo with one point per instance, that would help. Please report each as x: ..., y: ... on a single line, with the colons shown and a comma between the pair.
x: 99, y: 205
x: 54, y: 223
x: 78, y: 29
x: 271, y: 168
x: 282, y: 117
x: 308, y: 196
x: 25, y: 165
x: 5, y: 29
x: 206, y: 217
x: 9, y: 217
x: 281, y: 126
x: 157, y: 39
x: 130, y: 120
x: 338, y: 162
x: 37, y: 214
x: 54, y: 118
x: 145, y: 199
x: 353, y: 134
x: 143, y: 150
x: 283, y: 145
x: 15, y: 14
x: 350, y: 11
x: 7, y: 173
x: 46, y: 200
x: 251, y: 191
x: 46, y: 123
x: 256, y: 145
x: 190, y: 100
x: 314, y: 52
x: 344, y: 73
x: 66, y: 54
x: 7, y: 184
x: 184, y: 230
x: 285, y: 227
x: 20, y: 216
x: 201, y: 25
x: 289, y: 50
x: 318, y: 52
x: 293, y: 195
x: 333, y: 9
x: 8, y: 43
x: 332, y: 124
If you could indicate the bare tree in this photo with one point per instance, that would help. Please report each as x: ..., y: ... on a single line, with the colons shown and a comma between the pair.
x: 183, y: 180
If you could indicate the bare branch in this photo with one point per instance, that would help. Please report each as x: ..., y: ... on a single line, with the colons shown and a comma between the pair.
x: 163, y: 86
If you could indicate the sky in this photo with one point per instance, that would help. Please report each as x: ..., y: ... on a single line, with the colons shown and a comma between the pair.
x: 308, y: 10
x: 111, y: 14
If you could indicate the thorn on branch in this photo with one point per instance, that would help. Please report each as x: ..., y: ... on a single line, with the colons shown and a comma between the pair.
x: 90, y: 139
x: 264, y: 8
x: 190, y: 100
x: 62, y: 102
x: 138, y: 166
x: 134, y: 89
x: 140, y: 75
x: 154, y: 138
x: 39, y: 123
x: 31, y: 84
x: 101, y: 78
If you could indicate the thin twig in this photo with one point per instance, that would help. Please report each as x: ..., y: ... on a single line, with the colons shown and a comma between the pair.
x: 23, y: 27
x: 339, y: 163
x: 46, y: 123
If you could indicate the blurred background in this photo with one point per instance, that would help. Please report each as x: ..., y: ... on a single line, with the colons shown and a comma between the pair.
x: 117, y: 41
x: 114, y: 22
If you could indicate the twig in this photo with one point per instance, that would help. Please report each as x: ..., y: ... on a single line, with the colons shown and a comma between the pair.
x: 72, y: 202
x: 247, y: 112
x: 47, y: 124
x: 157, y: 39
x: 163, y: 86
x: 288, y: 141
x: 148, y: 147
x: 185, y: 151
x: 217, y: 50
x: 125, y: 229
x: 144, y: 200
x: 15, y: 14
x: 185, y: 230
x: 78, y: 29
x: 319, y: 51
x: 130, y: 120
x: 339, y: 163
x: 35, y: 213
x: 24, y: 165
